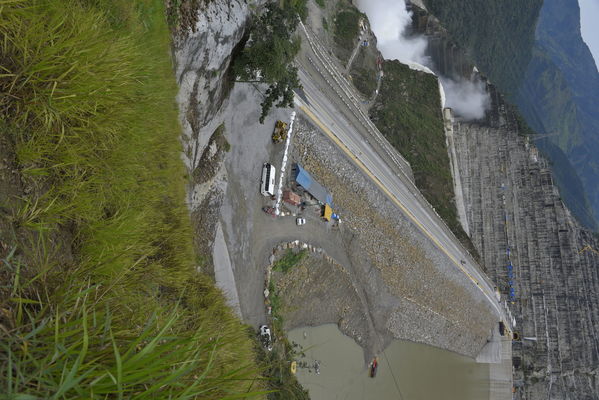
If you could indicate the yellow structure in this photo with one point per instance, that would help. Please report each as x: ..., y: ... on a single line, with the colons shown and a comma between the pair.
x: 293, y: 367
x: 328, y: 212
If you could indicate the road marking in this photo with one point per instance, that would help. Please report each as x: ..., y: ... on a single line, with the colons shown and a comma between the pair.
x: 375, y: 179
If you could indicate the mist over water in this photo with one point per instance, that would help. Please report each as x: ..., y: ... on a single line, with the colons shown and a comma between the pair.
x: 468, y: 99
x: 390, y: 21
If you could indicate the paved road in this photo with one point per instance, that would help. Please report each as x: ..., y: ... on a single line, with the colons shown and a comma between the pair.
x: 328, y: 100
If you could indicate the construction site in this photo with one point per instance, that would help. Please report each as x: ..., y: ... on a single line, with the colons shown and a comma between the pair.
x: 381, y: 264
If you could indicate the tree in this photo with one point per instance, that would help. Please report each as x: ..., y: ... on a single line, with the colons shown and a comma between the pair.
x: 268, y: 56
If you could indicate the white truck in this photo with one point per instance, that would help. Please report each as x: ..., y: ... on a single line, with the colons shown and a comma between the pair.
x: 267, y: 183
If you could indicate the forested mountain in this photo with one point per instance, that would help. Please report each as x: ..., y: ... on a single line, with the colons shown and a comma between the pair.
x: 559, y: 96
x: 533, y: 51
x: 498, y: 34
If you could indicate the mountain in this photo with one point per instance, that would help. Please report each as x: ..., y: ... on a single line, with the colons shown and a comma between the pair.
x: 497, y: 34
x: 533, y: 51
x: 559, y: 96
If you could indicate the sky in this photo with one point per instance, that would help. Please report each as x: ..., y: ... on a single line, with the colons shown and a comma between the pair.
x: 589, y: 15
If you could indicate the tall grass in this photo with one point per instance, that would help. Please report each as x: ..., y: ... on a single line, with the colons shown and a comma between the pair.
x: 87, y: 99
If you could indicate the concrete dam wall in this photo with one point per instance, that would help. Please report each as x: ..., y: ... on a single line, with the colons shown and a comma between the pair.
x: 529, y: 241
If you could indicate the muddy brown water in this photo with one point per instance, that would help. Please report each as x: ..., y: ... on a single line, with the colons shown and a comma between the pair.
x: 406, y: 371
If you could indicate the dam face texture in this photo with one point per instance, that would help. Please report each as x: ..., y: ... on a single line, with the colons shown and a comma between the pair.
x: 530, y: 243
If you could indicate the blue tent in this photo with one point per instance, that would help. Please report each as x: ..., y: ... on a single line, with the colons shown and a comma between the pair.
x: 305, y: 180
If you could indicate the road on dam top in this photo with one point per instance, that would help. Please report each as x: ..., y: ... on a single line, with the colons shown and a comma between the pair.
x: 330, y: 102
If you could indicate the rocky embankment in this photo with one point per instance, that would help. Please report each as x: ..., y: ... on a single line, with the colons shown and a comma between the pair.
x: 408, y: 289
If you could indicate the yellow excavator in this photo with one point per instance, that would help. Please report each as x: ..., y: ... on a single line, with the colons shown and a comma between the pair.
x: 280, y: 133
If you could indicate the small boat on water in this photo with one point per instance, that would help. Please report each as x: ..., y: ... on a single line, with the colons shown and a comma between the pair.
x: 373, y: 366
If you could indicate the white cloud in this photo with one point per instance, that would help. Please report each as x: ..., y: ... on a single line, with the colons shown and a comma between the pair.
x: 468, y: 99
x: 390, y: 22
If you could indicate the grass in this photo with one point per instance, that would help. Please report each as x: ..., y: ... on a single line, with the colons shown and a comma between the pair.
x: 320, y: 3
x: 364, y: 70
x: 289, y: 260
x: 100, y: 295
x: 408, y: 112
x: 346, y: 30
x: 276, y: 363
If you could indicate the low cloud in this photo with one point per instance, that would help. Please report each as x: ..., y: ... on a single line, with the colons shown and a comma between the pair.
x: 390, y: 21
x: 468, y: 99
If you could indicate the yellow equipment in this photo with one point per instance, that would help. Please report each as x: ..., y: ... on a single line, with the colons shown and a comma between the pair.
x: 280, y: 133
x: 293, y: 367
x: 328, y: 212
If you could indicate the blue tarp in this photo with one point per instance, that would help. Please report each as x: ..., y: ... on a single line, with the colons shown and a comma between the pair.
x: 305, y: 180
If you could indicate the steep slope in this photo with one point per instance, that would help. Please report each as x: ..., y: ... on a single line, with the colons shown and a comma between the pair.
x: 534, y: 53
x: 559, y: 96
x: 497, y: 36
x: 529, y: 241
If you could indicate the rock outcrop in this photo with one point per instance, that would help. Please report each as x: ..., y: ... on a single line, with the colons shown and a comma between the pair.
x: 203, y: 55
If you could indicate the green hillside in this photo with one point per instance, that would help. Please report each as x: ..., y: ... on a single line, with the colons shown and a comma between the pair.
x: 559, y: 96
x: 99, y: 294
x: 408, y: 113
x: 551, y: 77
x: 499, y: 35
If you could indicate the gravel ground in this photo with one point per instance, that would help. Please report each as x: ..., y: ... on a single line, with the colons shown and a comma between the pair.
x: 318, y: 292
x: 388, y: 282
x: 413, y: 291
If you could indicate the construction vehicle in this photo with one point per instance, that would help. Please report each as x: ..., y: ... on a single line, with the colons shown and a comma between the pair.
x: 280, y: 133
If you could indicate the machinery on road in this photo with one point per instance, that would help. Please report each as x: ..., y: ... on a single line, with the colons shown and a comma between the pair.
x: 280, y: 133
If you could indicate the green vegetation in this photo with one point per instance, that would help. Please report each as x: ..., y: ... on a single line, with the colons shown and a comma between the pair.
x: 499, y: 34
x: 320, y: 3
x: 571, y: 188
x: 523, y: 128
x: 289, y: 260
x: 99, y: 296
x: 347, y: 30
x: 560, y: 97
x: 276, y: 364
x: 408, y: 112
x: 325, y: 24
x: 219, y: 135
x: 269, y: 53
x: 364, y: 70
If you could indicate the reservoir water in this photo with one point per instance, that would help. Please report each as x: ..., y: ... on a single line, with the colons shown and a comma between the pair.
x: 406, y: 371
